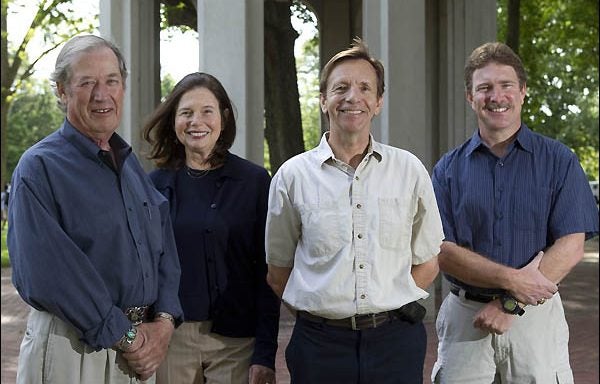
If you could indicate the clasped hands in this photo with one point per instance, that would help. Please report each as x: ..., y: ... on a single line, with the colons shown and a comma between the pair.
x: 531, y: 287
x: 146, y: 354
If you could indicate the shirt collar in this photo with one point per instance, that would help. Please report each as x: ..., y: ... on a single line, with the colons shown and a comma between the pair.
x: 323, y: 151
x: 88, y: 147
x: 524, y: 140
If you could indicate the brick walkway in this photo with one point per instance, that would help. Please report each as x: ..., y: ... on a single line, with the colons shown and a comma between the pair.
x: 579, y: 293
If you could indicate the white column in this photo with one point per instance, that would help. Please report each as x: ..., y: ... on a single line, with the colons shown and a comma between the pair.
x: 230, y: 35
x: 134, y: 26
x: 465, y: 25
x: 396, y: 34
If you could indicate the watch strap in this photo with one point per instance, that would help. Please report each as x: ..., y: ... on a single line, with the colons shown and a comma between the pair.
x: 165, y: 315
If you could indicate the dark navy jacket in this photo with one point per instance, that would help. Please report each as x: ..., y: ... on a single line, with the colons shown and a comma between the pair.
x: 224, y: 272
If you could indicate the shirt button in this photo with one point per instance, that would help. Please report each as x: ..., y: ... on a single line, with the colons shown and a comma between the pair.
x: 356, y: 177
x: 363, y: 296
x: 359, y: 235
x: 213, y: 205
x: 358, y: 206
x: 361, y: 266
x: 139, y: 242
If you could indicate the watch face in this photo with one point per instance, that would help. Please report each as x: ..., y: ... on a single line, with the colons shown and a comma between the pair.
x: 510, y: 304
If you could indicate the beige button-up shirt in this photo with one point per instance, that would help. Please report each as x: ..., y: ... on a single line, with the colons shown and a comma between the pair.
x: 351, y: 236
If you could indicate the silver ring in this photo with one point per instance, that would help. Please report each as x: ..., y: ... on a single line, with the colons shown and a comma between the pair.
x: 541, y: 301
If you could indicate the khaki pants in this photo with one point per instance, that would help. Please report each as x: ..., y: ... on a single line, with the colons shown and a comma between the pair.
x: 51, y: 353
x: 197, y: 356
x: 533, y: 350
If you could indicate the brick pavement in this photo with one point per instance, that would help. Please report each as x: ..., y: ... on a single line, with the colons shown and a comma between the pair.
x: 579, y: 292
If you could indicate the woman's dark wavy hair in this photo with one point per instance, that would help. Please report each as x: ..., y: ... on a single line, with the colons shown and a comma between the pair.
x: 159, y: 130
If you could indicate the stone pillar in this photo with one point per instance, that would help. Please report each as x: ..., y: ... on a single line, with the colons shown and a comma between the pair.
x: 134, y: 26
x: 396, y: 33
x: 464, y: 25
x: 231, y: 45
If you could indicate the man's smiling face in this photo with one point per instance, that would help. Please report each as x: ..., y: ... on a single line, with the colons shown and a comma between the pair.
x: 351, y: 100
x: 497, y: 98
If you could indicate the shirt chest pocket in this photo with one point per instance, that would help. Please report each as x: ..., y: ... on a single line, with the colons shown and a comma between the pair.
x: 530, y: 208
x: 326, y: 229
x: 395, y: 222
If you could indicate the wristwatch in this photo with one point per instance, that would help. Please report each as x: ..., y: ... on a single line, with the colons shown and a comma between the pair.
x: 511, y: 305
x: 127, y: 340
x: 165, y: 315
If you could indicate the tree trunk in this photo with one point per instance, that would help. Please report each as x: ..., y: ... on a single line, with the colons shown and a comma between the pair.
x: 283, y: 122
x: 512, y: 29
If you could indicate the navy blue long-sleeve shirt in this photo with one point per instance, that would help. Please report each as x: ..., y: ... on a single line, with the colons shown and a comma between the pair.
x: 87, y: 241
x: 219, y: 224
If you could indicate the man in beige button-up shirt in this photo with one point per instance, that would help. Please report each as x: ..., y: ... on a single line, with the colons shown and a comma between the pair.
x: 352, y: 235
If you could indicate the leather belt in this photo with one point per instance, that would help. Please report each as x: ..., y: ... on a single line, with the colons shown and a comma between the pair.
x: 137, y: 315
x: 473, y: 296
x: 356, y: 322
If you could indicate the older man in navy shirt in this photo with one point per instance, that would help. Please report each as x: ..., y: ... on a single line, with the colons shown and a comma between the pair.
x: 516, y: 209
x: 90, y: 239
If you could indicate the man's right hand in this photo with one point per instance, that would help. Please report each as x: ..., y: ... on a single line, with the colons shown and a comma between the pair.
x: 146, y: 360
x: 492, y: 318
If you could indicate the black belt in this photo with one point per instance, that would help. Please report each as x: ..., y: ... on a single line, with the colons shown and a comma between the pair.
x: 356, y: 322
x: 474, y: 296
x: 137, y: 315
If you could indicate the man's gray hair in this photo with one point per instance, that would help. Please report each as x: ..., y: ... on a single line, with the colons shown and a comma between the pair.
x: 78, y: 44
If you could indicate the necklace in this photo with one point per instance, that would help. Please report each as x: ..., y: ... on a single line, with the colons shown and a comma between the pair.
x: 196, y: 173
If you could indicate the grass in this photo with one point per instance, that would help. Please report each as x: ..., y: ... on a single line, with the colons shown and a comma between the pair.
x: 5, y: 260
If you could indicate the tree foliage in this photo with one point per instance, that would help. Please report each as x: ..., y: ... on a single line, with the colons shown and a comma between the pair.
x: 308, y: 86
x: 34, y: 114
x: 558, y: 44
x: 55, y: 22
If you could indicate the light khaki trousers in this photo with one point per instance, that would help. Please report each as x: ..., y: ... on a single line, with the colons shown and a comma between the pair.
x: 51, y: 353
x: 535, y: 349
x: 197, y: 356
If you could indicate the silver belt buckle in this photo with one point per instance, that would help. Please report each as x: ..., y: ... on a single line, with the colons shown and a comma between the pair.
x: 135, y: 314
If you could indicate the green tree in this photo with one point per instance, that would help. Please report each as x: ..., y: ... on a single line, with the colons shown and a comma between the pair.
x: 56, y: 22
x: 558, y: 43
x: 32, y: 116
x: 308, y: 87
x: 166, y: 86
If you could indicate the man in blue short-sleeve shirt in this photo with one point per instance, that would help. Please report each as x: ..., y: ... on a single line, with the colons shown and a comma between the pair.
x: 90, y: 239
x: 516, y: 209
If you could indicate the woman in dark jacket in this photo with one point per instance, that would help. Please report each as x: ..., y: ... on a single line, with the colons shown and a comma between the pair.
x: 218, y: 209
